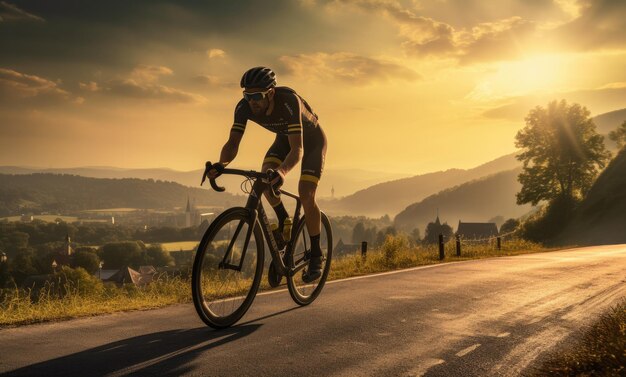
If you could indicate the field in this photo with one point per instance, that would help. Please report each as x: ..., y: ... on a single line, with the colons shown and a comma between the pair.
x: 182, y: 245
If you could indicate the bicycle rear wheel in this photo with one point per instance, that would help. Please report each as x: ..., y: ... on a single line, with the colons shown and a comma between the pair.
x: 305, y: 293
x: 225, y: 276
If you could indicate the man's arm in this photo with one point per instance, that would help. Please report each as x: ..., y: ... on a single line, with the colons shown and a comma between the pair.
x: 294, y: 155
x: 230, y: 149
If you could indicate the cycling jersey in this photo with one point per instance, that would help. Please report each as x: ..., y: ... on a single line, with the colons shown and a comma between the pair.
x: 291, y: 114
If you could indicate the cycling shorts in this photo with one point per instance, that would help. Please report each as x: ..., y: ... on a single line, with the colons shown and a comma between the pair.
x: 312, y: 159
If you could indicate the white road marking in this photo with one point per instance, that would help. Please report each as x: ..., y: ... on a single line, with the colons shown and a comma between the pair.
x: 467, y: 350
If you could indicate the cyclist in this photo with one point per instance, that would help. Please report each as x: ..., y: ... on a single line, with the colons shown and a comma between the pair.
x: 298, y: 136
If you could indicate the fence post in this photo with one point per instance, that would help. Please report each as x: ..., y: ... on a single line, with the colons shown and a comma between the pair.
x: 364, y: 249
x: 441, y: 251
x: 499, y: 242
x: 458, y: 245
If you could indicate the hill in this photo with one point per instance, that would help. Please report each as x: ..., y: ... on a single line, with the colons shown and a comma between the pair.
x: 344, y: 181
x: 475, y: 201
x: 601, y: 217
x: 391, y: 197
x: 67, y: 193
x: 608, y: 122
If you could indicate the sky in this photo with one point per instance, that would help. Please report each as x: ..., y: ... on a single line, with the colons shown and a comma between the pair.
x: 409, y: 86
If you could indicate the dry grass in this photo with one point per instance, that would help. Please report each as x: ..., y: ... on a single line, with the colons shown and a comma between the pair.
x: 600, y: 351
x: 78, y: 294
x: 66, y: 299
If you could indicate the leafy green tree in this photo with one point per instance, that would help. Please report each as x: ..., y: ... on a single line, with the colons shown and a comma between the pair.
x: 619, y: 136
x: 17, y: 240
x: 562, y: 153
x: 22, y: 266
x: 159, y: 256
x: 120, y: 254
x: 433, y: 230
x: 6, y: 280
x: 87, y: 259
x: 382, y: 234
x: 509, y: 226
x: 358, y: 233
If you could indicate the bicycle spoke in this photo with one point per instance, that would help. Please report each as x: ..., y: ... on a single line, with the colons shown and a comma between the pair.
x: 226, y: 291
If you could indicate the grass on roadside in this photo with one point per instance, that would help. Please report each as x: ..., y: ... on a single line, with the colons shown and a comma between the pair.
x: 599, y: 351
x: 78, y: 294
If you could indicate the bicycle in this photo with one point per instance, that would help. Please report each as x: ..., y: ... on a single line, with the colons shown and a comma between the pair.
x: 228, y: 265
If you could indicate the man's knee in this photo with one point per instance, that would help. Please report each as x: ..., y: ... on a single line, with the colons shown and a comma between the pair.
x: 306, y: 190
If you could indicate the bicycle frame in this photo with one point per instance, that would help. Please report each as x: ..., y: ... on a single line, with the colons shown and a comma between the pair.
x: 254, y: 206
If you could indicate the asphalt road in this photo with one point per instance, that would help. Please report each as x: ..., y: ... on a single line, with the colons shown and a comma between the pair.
x: 491, y: 317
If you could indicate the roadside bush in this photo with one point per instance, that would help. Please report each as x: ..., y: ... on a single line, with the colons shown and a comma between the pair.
x: 69, y: 281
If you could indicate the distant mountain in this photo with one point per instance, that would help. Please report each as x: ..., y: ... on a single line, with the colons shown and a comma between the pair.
x: 608, y: 122
x: 344, y: 181
x: 66, y: 193
x: 392, y: 197
x: 475, y: 201
x: 601, y: 217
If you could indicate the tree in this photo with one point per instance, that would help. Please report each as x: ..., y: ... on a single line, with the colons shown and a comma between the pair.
x: 433, y: 230
x: 6, y: 280
x: 358, y: 233
x: 86, y: 258
x: 382, y: 234
x: 22, y: 265
x: 562, y: 153
x: 120, y: 254
x: 159, y: 256
x: 509, y: 226
x: 619, y: 136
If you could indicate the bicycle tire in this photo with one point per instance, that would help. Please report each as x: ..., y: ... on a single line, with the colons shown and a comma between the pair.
x: 206, y: 258
x: 295, y: 284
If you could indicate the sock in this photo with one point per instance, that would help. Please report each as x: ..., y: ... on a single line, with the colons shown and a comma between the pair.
x: 316, y: 251
x: 282, y: 214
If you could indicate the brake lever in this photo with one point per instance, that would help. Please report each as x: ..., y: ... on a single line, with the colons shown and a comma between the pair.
x: 208, y: 167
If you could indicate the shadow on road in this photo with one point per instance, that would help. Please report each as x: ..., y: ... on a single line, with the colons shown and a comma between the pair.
x: 166, y: 353
x: 269, y: 316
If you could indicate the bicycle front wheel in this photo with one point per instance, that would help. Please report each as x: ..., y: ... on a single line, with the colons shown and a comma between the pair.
x: 226, y: 275
x: 305, y: 293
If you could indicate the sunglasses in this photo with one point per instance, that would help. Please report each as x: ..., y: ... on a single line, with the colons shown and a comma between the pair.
x: 256, y: 96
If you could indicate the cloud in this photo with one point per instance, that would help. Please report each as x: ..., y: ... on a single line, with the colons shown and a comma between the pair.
x: 134, y: 89
x: 216, y: 53
x: 214, y: 81
x: 605, y: 98
x: 149, y: 73
x: 601, y: 25
x: 142, y: 83
x: 499, y: 39
x: 345, y: 67
x: 91, y: 86
x: 16, y: 87
x: 587, y: 25
x: 10, y: 12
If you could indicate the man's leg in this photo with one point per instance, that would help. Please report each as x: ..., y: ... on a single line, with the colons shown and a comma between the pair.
x: 273, y: 158
x: 307, y: 190
x: 312, y: 166
x: 312, y: 217
x: 276, y: 203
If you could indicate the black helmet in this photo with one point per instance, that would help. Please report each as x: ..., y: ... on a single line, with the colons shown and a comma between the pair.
x: 258, y: 77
